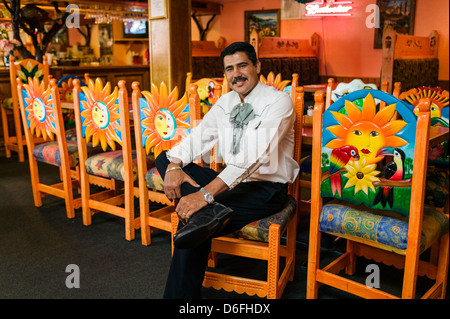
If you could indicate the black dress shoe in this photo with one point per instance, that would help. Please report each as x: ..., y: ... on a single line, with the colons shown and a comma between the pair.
x: 202, y: 225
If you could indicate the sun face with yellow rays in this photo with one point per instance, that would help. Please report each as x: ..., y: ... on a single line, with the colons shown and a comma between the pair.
x: 39, y: 109
x: 366, y: 129
x: 162, y: 119
x: 101, y: 114
x: 274, y: 81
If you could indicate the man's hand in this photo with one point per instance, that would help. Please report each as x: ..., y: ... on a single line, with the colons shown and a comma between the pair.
x: 189, y: 205
x: 173, y: 181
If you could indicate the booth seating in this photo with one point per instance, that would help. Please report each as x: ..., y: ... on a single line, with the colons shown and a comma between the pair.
x: 287, y: 56
x: 411, y: 60
x: 376, y: 205
x: 25, y: 69
x: 277, y: 55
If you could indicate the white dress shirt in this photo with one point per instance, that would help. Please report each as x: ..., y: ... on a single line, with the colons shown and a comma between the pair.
x: 267, y: 145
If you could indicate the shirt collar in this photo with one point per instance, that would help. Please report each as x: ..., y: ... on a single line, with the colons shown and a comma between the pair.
x: 254, y: 98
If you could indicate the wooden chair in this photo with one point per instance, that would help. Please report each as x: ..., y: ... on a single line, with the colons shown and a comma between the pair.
x: 267, y: 246
x: 382, y: 217
x: 24, y: 69
x: 103, y: 118
x: 207, y: 90
x: 42, y: 117
x: 275, y: 81
x: 436, y: 192
x: 150, y: 140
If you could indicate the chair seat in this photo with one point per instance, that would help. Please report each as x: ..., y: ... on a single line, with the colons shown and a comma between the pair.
x: 436, y: 189
x: 154, y: 180
x: 110, y: 164
x: 7, y: 103
x: 259, y: 230
x: 381, y: 231
x: 49, y: 153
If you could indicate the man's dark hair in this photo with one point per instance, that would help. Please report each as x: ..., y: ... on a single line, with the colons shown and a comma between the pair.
x: 240, y: 47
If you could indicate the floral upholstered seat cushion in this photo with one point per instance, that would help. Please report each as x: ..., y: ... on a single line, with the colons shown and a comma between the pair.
x: 110, y: 165
x: 49, y: 153
x: 385, y: 232
x: 259, y: 230
x: 7, y: 103
x: 154, y: 180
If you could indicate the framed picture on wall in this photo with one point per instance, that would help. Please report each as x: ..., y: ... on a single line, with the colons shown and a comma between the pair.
x: 398, y: 13
x: 267, y: 22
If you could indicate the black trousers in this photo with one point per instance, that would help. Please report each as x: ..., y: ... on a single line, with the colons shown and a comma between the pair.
x: 250, y: 201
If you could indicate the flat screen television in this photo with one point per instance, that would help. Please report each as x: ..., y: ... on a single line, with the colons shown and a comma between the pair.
x: 133, y: 28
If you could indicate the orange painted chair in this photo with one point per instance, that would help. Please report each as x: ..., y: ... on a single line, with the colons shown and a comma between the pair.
x: 24, y: 69
x: 437, y: 186
x: 377, y: 207
x: 102, y: 116
x: 207, y: 91
x: 261, y: 240
x: 42, y: 117
x: 153, y: 111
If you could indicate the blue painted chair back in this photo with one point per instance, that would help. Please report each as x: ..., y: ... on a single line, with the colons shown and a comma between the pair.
x: 358, y: 141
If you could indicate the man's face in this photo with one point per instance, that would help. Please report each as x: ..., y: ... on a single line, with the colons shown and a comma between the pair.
x: 242, y: 75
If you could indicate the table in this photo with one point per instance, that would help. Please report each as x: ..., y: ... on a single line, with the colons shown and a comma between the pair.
x: 438, y: 134
x: 317, y: 87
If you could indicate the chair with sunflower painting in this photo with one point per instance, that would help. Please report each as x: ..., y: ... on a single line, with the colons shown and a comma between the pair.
x: 42, y: 117
x: 25, y: 69
x: 376, y: 204
x: 161, y: 120
x: 102, y: 118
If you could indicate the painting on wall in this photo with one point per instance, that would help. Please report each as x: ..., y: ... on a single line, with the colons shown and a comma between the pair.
x: 267, y: 22
x: 398, y: 13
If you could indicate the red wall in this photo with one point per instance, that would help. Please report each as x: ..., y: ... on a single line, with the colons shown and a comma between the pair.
x: 346, y: 47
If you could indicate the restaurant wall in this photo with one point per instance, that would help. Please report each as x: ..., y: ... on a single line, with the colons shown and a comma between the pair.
x: 346, y: 46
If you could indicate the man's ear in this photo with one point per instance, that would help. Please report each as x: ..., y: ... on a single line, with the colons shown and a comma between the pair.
x: 258, y: 66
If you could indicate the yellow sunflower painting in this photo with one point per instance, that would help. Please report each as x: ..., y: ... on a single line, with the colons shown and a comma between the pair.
x: 163, y: 120
x: 101, y: 114
x: 39, y: 109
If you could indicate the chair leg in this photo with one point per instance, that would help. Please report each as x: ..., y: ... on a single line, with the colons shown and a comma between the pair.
x: 68, y: 193
x: 144, y: 211
x: 313, y: 264
x: 129, y: 212
x: 351, y: 266
x: 85, y: 196
x: 273, y: 267
x: 19, y: 137
x: 34, y: 175
x: 442, y: 270
x: 5, y: 131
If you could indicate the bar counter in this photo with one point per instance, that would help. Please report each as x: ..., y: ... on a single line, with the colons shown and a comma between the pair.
x: 111, y: 73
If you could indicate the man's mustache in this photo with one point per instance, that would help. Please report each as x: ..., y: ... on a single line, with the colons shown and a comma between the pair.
x: 239, y: 78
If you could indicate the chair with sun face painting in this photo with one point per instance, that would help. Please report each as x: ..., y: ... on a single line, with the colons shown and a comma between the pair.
x: 161, y: 121
x: 102, y: 117
x: 261, y: 240
x: 42, y: 117
x: 27, y: 68
x: 375, y: 203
